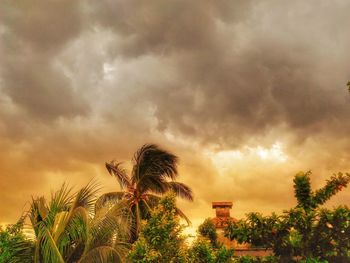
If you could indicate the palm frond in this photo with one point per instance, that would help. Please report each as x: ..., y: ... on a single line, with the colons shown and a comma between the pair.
x: 180, y: 190
x: 23, y: 252
x: 153, y: 201
x: 38, y: 212
x: 61, y: 199
x: 72, y: 241
x: 86, y: 197
x: 111, y: 197
x: 83, y: 201
x: 70, y: 227
x: 148, y: 203
x: 59, y: 225
x: 153, y: 184
x: 122, y: 247
x: 150, y: 160
x: 66, y: 232
x: 118, y: 172
x: 109, y: 223
x: 72, y: 224
x: 181, y: 214
x: 48, y: 248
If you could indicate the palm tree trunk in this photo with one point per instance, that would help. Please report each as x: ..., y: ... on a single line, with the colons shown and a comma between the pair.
x: 133, y: 230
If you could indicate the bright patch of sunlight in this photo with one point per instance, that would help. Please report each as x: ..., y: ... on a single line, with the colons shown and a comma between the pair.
x: 190, y: 232
x: 108, y: 71
x: 223, y: 160
x: 274, y: 153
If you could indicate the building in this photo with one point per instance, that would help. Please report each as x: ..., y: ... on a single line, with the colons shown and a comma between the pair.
x: 221, y: 220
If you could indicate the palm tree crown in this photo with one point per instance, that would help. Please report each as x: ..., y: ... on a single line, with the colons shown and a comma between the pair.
x: 153, y: 174
x: 66, y: 230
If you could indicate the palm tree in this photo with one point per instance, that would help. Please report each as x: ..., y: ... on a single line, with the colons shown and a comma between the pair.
x: 153, y: 174
x: 66, y: 230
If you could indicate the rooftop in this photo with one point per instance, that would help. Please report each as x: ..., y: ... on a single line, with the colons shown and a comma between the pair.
x: 222, y: 204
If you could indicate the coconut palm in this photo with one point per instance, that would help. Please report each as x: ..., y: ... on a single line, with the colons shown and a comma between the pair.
x: 66, y: 230
x: 153, y: 174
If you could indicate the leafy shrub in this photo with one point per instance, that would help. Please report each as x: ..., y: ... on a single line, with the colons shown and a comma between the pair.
x: 202, y: 251
x: 161, y: 238
x: 208, y: 230
x: 306, y: 231
x: 14, y: 246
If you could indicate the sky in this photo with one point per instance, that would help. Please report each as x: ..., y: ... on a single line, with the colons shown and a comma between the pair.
x: 245, y: 93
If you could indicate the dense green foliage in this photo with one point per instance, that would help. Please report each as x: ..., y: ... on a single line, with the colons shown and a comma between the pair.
x: 207, y: 229
x: 305, y: 231
x: 202, y: 251
x: 207, y: 248
x: 161, y: 239
x: 255, y: 229
x: 153, y: 174
x: 14, y: 246
x: 331, y: 236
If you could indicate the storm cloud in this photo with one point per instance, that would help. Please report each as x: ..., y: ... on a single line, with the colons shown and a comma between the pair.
x: 246, y: 93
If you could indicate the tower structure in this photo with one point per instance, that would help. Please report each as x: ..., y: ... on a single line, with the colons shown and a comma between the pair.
x: 221, y: 220
x: 222, y: 211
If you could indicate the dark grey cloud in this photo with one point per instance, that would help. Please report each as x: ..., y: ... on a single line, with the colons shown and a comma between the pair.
x: 45, y: 26
x: 250, y: 87
x: 83, y: 82
x: 33, y: 34
x: 163, y: 27
x: 241, y: 67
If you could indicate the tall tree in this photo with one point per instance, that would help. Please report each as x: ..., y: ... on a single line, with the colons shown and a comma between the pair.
x: 153, y: 174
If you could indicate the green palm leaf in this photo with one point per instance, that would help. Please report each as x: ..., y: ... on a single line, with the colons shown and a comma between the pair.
x: 67, y: 231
